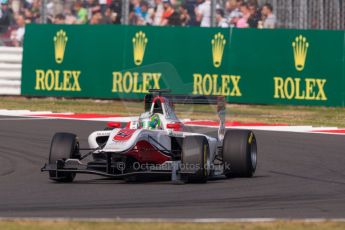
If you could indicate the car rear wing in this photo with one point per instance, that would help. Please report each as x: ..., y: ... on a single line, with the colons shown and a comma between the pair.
x: 195, y: 100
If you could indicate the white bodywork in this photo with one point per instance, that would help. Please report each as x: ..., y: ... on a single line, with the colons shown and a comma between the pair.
x: 163, y: 137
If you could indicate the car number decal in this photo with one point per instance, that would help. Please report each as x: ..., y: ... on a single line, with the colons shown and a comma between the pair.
x: 124, y: 134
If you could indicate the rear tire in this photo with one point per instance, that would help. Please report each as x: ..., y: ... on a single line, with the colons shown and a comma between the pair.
x: 239, y: 153
x: 63, y: 146
x: 195, y: 154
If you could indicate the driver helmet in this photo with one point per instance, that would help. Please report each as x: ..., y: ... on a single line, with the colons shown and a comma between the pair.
x: 149, y: 121
x: 155, y: 122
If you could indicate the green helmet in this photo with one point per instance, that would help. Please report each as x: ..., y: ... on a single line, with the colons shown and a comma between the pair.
x: 149, y: 121
x: 155, y: 122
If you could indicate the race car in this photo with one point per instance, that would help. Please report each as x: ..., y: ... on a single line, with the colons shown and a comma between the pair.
x: 156, y: 146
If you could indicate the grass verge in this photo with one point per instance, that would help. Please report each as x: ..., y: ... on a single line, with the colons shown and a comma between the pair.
x: 73, y: 225
x: 292, y: 115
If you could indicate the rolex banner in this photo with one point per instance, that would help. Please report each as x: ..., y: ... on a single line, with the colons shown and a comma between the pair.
x: 246, y: 66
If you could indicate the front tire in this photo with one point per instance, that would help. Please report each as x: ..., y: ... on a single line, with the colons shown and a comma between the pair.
x: 63, y: 146
x: 195, y: 154
x: 239, y: 153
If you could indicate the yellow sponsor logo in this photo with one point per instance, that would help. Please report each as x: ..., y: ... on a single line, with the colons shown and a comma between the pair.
x: 60, y: 41
x: 57, y: 80
x: 217, y: 84
x: 205, y: 160
x: 134, y: 82
x: 250, y: 139
x: 299, y: 89
x: 208, y: 85
x: 218, y: 45
x: 139, y: 45
x: 300, y: 49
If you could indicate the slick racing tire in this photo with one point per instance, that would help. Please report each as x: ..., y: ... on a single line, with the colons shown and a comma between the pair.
x: 194, y: 159
x: 63, y: 146
x: 239, y: 153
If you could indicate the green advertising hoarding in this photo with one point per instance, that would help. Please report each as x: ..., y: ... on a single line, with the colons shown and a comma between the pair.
x: 289, y: 66
x: 247, y: 66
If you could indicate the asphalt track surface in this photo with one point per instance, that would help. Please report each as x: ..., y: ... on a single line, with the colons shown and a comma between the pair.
x: 299, y: 176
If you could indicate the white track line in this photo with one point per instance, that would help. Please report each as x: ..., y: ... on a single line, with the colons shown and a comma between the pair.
x: 5, y: 112
x: 27, y: 118
x: 176, y: 220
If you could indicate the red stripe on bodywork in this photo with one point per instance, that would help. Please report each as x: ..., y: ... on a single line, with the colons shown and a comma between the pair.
x: 144, y: 152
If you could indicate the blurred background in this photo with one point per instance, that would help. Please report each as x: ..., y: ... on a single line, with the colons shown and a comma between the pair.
x: 297, y: 14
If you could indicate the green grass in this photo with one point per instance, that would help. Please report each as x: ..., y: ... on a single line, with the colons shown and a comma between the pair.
x: 274, y: 114
x: 72, y: 225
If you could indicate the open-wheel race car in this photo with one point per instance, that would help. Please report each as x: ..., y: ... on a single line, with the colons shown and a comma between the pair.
x: 155, y: 146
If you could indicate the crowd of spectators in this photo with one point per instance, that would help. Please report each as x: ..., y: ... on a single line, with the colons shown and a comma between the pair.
x: 233, y: 13
x: 14, y: 14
